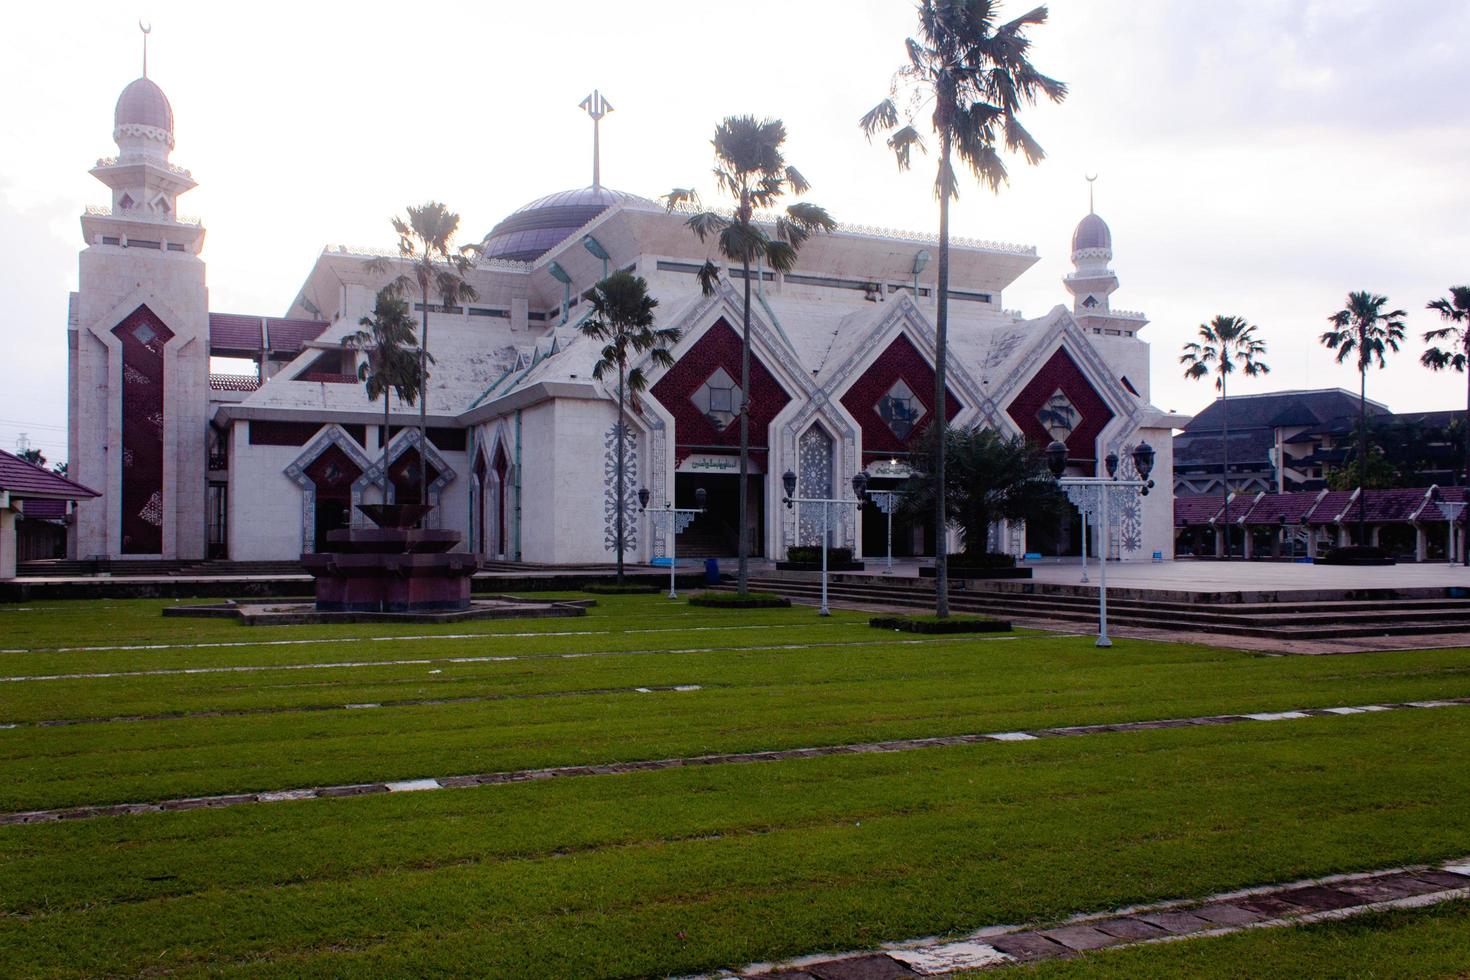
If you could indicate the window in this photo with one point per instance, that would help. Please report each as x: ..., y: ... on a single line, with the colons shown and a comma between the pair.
x: 899, y: 409
x: 1058, y: 416
x: 718, y: 398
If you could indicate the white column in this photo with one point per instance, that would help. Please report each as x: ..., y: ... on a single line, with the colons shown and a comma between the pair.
x: 7, y: 543
x: 1421, y: 543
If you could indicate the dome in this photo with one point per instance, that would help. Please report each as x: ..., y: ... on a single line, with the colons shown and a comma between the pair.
x: 1092, y: 232
x: 143, y: 103
x: 532, y: 231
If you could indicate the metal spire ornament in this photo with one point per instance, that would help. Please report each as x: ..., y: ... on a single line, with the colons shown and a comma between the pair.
x: 147, y: 28
x: 1090, y: 181
x: 596, y: 107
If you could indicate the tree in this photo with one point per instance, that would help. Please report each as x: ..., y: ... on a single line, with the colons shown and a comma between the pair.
x: 1456, y: 311
x: 987, y: 478
x: 621, y: 319
x: 977, y: 75
x: 391, y: 363
x: 60, y: 468
x: 426, y: 244
x: 33, y: 456
x: 1363, y: 327
x: 751, y: 168
x: 1227, y: 344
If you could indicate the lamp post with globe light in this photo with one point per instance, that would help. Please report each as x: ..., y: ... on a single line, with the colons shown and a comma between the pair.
x: 672, y: 520
x: 860, y: 492
x: 1102, y: 496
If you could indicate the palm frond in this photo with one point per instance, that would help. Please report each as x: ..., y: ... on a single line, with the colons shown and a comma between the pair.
x: 681, y: 196
x: 707, y: 223
x: 884, y: 115
x: 709, y: 277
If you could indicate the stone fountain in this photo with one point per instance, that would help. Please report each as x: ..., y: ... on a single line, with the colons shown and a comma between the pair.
x: 394, y: 567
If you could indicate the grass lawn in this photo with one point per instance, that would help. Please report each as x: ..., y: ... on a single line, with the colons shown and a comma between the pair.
x: 686, y: 869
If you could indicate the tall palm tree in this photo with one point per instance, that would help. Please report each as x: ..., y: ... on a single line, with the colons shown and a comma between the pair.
x: 622, y: 321
x: 1226, y: 344
x: 387, y: 340
x: 1363, y: 326
x: 435, y: 266
x: 751, y: 168
x: 1456, y: 311
x: 976, y: 73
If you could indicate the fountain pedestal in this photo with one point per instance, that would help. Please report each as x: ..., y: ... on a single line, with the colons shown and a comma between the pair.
x: 395, y: 567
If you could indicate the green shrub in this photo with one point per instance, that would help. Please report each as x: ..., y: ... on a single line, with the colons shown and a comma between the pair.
x: 933, y: 624
x: 734, y: 600
x: 627, y: 588
x: 982, y: 559
x: 812, y: 554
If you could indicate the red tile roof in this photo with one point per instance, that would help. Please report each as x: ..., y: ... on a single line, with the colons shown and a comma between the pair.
x: 233, y: 332
x: 291, y: 335
x: 1271, y: 508
x: 1329, y: 507
x: 24, y: 480
x: 1195, y: 510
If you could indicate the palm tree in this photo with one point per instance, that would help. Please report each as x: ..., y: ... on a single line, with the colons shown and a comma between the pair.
x: 387, y: 339
x: 1364, y: 327
x: 750, y: 167
x: 977, y: 75
x: 1226, y: 344
x: 426, y: 243
x: 988, y: 478
x: 1455, y: 310
x: 621, y: 319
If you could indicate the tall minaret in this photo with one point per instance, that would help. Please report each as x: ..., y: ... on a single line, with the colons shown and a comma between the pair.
x: 138, y: 346
x: 1092, y: 249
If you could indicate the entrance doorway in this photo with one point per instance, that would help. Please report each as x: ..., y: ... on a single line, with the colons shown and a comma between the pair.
x: 1061, y: 538
x: 332, y: 475
x: 714, y: 534
x: 910, y: 537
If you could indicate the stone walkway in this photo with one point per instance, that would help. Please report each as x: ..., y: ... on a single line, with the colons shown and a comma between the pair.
x: 1296, y: 903
x: 652, y: 765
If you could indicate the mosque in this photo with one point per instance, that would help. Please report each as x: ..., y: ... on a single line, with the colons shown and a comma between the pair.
x: 194, y: 461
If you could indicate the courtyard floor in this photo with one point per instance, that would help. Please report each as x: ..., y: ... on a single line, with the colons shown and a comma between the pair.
x: 660, y: 790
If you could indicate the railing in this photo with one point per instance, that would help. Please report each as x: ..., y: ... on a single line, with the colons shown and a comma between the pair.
x: 142, y: 214
x: 233, y: 382
x: 172, y: 168
x: 871, y: 231
x: 328, y: 378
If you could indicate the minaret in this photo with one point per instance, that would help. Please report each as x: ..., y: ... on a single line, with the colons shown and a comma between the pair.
x: 1092, y: 249
x: 138, y: 346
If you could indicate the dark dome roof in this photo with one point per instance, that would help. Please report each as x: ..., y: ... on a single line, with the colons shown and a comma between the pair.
x: 532, y: 231
x: 143, y: 103
x: 1092, y: 232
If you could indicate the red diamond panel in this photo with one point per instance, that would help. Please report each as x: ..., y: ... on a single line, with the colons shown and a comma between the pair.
x: 900, y: 360
x: 1061, y: 372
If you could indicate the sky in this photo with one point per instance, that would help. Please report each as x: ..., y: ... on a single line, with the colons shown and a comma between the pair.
x: 1260, y: 158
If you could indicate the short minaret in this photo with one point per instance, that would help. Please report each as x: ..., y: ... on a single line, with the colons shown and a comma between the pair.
x: 138, y: 349
x: 1092, y: 249
x: 1092, y: 284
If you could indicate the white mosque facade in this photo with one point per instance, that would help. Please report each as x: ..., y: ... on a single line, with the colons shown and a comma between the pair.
x: 259, y: 465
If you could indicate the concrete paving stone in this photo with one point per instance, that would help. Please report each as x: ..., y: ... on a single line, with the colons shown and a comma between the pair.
x: 1382, y: 890
x: 413, y: 785
x: 362, y: 789
x: 1081, y: 937
x: 1445, y: 879
x: 1129, y: 928
x: 1176, y: 923
x: 1319, y: 898
x: 1028, y: 946
x: 1012, y: 736
x: 1270, y: 906
x: 459, y: 782
x: 950, y: 957
x: 782, y: 975
x: 1459, y: 869
x: 877, y: 966
x: 1226, y: 914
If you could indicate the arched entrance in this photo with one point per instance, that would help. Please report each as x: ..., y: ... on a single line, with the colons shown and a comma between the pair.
x: 332, y: 475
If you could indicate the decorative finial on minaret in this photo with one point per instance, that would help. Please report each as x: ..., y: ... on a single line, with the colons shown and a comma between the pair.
x: 146, y: 28
x: 1090, y: 181
x: 596, y: 107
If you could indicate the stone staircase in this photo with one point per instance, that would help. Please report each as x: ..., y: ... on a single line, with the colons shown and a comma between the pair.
x: 1345, y: 618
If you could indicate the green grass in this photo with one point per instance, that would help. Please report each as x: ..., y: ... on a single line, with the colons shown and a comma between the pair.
x: 686, y: 869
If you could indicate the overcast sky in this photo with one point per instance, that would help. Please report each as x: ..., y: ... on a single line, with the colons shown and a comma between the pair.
x: 1259, y: 158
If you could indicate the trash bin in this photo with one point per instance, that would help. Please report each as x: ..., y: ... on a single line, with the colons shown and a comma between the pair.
x: 712, y: 571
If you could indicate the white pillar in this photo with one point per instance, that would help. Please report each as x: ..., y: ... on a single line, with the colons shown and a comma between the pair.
x: 7, y: 543
x: 1247, y: 546
x: 1421, y: 543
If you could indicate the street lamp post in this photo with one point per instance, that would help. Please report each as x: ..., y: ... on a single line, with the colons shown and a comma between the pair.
x: 886, y: 502
x: 860, y: 491
x: 672, y: 520
x: 1101, y: 495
